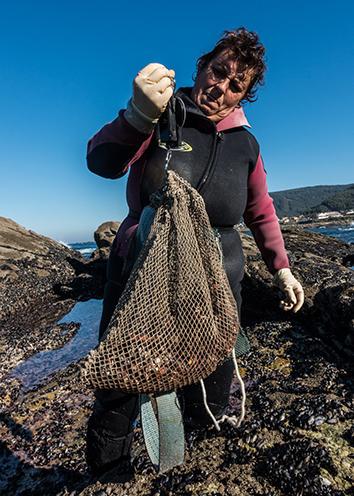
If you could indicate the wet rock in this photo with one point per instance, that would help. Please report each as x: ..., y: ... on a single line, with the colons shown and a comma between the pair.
x: 235, y: 454
x: 317, y: 261
x: 313, y: 411
x: 296, y: 467
x: 32, y: 267
x: 36, y: 271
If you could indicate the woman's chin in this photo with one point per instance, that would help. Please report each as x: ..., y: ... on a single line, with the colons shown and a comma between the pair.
x: 208, y: 109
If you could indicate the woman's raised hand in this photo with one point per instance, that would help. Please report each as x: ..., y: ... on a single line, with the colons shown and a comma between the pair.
x: 152, y: 88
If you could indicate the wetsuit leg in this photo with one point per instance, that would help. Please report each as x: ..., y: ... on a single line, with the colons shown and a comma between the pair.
x: 218, y: 384
x: 233, y: 259
x: 112, y: 292
x: 217, y: 387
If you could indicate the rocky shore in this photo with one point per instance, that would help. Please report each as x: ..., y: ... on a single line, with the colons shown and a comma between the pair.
x: 344, y: 220
x: 298, y: 435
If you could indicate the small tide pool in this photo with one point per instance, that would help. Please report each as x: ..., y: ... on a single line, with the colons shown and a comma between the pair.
x: 36, y: 369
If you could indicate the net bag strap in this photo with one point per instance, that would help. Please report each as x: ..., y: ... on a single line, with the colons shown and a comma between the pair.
x: 163, y: 430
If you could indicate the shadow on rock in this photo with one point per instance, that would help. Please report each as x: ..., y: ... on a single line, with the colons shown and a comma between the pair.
x: 18, y: 477
x: 332, y: 315
x: 15, y: 428
x: 88, y: 283
x: 260, y: 302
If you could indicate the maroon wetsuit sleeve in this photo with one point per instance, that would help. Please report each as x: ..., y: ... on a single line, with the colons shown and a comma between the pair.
x: 261, y: 219
x: 115, y: 147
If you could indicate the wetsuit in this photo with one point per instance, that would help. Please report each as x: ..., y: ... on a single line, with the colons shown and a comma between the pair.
x: 224, y: 164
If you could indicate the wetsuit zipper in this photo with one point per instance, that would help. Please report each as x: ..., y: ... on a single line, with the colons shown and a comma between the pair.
x: 219, y: 136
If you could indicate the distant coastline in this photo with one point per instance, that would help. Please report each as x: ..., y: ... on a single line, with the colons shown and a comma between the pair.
x: 342, y: 229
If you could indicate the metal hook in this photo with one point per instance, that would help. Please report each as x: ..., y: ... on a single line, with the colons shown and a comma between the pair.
x: 168, y: 158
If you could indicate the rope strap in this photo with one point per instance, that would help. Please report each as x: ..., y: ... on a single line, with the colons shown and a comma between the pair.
x: 233, y: 420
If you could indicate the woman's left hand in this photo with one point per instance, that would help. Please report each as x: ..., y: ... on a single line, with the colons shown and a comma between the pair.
x: 292, y: 289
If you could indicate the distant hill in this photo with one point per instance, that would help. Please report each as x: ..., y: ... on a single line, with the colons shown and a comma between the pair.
x: 342, y: 200
x: 313, y: 199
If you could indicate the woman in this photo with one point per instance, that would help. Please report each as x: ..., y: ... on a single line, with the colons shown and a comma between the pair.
x: 225, y: 165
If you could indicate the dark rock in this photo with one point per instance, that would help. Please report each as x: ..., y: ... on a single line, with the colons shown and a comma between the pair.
x: 317, y: 261
x: 283, y: 466
x: 36, y: 270
x: 105, y: 234
x: 32, y: 267
x: 104, y: 237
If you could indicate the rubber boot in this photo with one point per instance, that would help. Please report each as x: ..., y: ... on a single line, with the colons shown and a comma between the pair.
x: 109, y: 439
x: 217, y: 387
x: 111, y: 461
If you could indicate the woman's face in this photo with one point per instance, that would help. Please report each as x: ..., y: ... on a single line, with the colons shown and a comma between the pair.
x: 219, y: 88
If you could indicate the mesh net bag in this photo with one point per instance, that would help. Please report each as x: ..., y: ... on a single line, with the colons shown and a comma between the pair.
x: 176, y: 320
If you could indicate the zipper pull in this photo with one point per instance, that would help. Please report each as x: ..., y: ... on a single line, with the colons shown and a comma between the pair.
x: 220, y: 135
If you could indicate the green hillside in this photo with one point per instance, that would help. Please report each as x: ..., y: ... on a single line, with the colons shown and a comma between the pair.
x: 342, y: 200
x: 313, y: 199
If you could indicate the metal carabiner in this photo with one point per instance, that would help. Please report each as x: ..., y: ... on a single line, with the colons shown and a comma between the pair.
x: 168, y: 158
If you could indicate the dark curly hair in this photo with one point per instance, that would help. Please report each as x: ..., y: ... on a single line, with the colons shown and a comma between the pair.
x: 249, y: 53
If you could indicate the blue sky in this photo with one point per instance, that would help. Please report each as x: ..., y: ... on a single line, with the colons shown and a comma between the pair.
x: 67, y: 68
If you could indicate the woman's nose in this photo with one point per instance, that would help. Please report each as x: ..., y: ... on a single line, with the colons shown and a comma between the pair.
x: 223, y: 85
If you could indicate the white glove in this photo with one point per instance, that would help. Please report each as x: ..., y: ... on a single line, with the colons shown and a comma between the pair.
x: 294, y: 294
x: 152, y: 89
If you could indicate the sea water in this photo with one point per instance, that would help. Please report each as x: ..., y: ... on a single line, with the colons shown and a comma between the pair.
x: 84, y: 248
x: 344, y: 233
